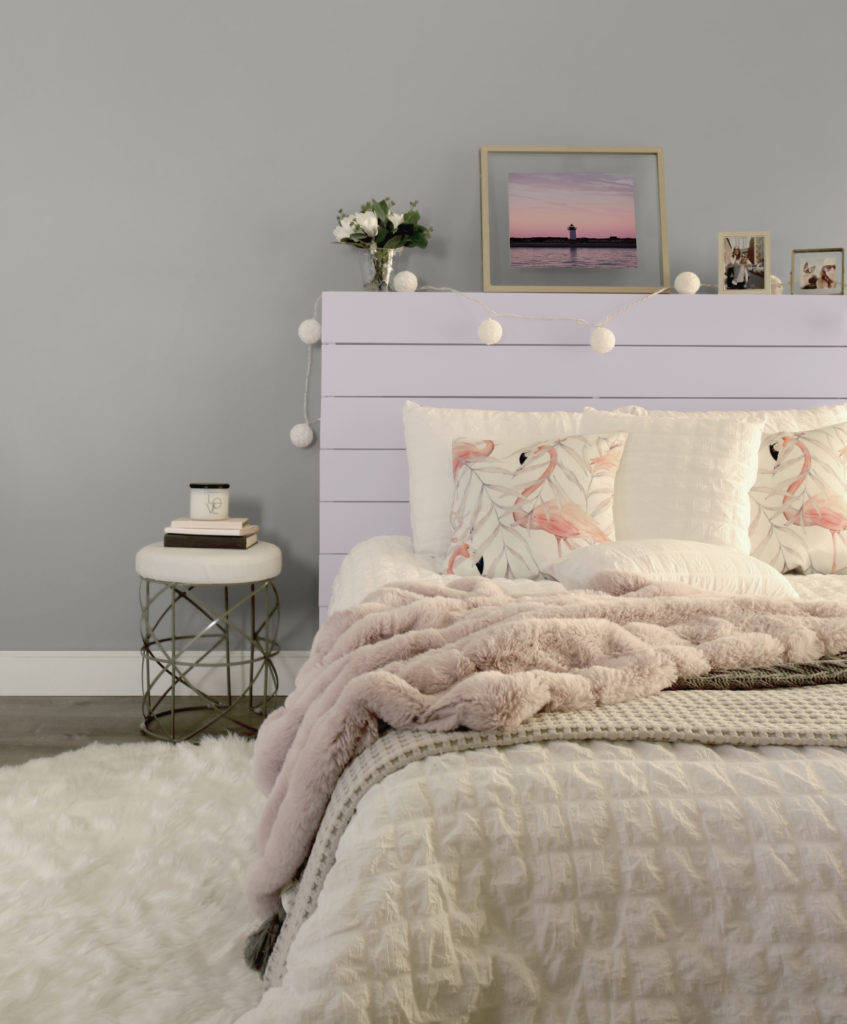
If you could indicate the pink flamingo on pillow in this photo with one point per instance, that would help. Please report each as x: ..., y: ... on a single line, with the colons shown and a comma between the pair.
x: 827, y: 511
x: 565, y: 521
x: 464, y: 451
x: 609, y: 461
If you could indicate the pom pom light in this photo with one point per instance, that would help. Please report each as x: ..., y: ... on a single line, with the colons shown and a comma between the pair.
x: 301, y: 435
x: 309, y: 332
x: 405, y: 281
x: 687, y: 283
x: 602, y: 340
x: 490, y: 331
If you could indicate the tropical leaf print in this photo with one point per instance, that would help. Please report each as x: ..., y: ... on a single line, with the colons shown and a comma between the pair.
x: 518, y: 508
x: 798, y: 513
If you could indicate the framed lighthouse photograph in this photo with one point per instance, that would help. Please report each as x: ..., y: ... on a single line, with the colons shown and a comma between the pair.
x: 565, y: 219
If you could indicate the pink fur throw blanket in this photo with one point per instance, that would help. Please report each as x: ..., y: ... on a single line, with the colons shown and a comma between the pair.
x: 465, y: 654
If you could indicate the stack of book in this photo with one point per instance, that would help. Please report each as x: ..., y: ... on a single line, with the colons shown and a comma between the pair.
x: 210, y: 533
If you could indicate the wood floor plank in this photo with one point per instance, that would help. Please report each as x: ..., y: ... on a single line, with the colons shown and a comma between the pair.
x: 46, y: 726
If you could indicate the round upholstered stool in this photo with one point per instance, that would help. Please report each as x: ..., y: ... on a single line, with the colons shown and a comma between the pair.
x: 209, y: 621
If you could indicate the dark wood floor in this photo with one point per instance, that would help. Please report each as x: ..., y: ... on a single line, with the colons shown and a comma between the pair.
x: 44, y: 726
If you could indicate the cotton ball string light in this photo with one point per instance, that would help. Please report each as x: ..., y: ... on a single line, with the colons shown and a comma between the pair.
x: 309, y: 332
x: 301, y: 435
x: 405, y: 281
x: 602, y: 340
x: 686, y: 283
x: 490, y: 331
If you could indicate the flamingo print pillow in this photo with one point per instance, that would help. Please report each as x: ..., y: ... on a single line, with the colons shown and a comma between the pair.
x: 799, y: 502
x: 519, y: 508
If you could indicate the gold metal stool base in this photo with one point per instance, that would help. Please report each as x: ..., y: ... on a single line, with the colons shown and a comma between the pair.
x: 174, y: 705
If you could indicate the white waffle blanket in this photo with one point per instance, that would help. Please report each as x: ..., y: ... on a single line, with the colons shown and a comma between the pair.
x: 586, y: 881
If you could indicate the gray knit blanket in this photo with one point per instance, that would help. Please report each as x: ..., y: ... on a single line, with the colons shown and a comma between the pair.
x: 464, y: 654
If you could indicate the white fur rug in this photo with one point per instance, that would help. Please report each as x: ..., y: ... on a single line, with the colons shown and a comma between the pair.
x: 122, y: 885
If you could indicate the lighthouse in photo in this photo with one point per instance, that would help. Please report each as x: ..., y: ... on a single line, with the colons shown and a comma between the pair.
x: 572, y: 232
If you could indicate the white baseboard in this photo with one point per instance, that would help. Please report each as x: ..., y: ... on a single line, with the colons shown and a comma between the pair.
x: 110, y: 673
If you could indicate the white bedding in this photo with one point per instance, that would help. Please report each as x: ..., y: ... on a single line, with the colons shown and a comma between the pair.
x: 381, y: 560
x: 584, y: 882
x: 580, y: 882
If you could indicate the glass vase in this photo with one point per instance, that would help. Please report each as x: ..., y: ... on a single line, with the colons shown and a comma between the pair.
x: 377, y: 267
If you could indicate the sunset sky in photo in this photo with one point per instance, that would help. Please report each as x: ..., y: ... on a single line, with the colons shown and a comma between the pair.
x: 599, y: 205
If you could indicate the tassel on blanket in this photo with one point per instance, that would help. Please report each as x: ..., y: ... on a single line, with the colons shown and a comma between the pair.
x: 260, y: 943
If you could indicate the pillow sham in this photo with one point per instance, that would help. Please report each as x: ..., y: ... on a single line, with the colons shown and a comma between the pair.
x: 707, y: 566
x: 517, y: 507
x: 682, y: 479
x: 799, y: 502
x: 771, y: 420
x: 429, y: 434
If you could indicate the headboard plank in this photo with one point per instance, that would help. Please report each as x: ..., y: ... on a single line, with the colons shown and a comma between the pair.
x: 363, y: 318
x: 527, y: 371
x: 673, y: 351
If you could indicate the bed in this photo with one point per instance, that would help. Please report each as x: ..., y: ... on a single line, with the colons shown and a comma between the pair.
x: 562, y: 854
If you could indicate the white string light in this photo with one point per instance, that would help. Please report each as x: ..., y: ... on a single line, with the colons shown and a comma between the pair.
x: 602, y: 340
x: 490, y: 330
x: 301, y: 435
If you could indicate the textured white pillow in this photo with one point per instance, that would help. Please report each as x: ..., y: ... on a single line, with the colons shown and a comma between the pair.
x: 707, y: 566
x: 785, y: 545
x: 429, y: 435
x: 682, y: 478
x: 799, y: 501
x: 770, y: 420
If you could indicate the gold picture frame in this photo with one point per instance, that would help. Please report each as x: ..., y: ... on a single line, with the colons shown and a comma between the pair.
x: 537, y: 199
x: 744, y: 263
x: 823, y: 276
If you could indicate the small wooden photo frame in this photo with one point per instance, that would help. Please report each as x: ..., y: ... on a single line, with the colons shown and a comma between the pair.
x: 817, y: 271
x: 744, y: 262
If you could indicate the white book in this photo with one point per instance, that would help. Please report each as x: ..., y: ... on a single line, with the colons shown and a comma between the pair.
x: 187, y: 523
x: 217, y: 531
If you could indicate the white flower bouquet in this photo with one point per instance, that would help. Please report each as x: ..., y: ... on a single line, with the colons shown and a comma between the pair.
x: 379, y: 225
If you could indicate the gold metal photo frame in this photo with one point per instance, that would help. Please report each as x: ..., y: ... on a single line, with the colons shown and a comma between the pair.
x: 573, y: 219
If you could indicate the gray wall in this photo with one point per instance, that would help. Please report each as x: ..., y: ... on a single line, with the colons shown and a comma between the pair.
x: 169, y: 177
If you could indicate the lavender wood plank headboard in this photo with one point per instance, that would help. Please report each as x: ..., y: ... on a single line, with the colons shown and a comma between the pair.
x: 672, y: 352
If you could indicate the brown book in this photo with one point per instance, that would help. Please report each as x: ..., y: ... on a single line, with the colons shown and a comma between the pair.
x: 210, y: 540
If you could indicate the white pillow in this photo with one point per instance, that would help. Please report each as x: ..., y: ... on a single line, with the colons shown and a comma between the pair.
x: 682, y: 478
x: 783, y: 544
x: 706, y: 566
x: 799, y: 501
x: 516, y: 506
x: 429, y: 435
x: 771, y: 420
